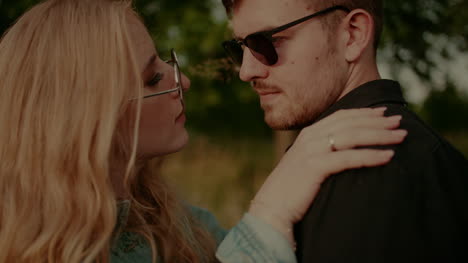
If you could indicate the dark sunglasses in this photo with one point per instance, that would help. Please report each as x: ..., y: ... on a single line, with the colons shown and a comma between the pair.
x: 261, y: 43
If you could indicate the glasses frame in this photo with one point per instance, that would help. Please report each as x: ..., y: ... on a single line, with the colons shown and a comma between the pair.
x: 268, y: 34
x: 177, y: 76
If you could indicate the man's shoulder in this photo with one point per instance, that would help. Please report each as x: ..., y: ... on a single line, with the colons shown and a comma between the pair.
x: 410, y: 206
x: 419, y: 132
x: 423, y: 149
x: 424, y: 165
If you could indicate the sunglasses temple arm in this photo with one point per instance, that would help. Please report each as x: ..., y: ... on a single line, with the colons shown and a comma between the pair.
x: 284, y: 27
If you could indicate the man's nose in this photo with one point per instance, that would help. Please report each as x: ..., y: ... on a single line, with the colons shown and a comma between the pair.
x: 251, y: 68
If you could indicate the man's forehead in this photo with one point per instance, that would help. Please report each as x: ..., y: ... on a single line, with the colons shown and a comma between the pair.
x: 251, y: 16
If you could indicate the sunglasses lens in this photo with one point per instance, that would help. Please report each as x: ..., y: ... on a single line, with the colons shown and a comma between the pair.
x: 262, y: 49
x: 234, y: 50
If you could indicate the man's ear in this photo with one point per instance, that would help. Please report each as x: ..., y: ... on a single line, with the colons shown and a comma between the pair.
x: 358, y: 27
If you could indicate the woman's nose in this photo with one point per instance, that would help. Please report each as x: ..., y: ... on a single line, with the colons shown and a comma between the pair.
x: 185, y: 82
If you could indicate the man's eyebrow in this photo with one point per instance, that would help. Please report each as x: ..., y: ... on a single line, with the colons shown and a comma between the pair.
x: 264, y: 29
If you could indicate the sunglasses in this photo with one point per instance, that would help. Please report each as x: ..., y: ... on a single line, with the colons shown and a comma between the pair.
x: 261, y: 44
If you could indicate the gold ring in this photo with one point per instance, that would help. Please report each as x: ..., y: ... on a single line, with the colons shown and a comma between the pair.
x: 331, y: 142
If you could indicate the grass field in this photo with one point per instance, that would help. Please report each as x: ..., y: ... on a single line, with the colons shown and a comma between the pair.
x: 223, y: 175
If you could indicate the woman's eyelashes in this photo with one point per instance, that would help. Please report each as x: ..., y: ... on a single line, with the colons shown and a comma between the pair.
x: 155, y: 80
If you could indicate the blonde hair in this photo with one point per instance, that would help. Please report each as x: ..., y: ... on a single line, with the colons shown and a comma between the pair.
x: 67, y: 73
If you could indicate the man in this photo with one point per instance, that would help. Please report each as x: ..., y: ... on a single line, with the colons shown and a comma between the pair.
x: 309, y: 58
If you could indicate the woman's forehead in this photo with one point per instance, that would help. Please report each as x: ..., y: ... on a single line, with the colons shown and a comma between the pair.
x: 142, y: 41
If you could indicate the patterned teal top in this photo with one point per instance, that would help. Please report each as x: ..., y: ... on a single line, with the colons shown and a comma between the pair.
x: 249, y: 241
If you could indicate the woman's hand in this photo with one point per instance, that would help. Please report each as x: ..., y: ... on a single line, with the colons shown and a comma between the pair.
x: 322, y: 149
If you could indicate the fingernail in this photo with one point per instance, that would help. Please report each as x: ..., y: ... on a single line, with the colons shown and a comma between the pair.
x: 380, y: 109
x: 395, y: 118
x: 400, y: 132
x: 387, y: 154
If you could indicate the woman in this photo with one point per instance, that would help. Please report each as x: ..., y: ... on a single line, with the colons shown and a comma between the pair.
x: 86, y: 101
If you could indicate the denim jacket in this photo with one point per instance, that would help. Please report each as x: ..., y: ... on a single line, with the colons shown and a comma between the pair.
x: 250, y: 240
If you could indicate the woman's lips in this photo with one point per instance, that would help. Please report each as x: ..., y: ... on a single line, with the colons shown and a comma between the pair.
x: 181, y: 117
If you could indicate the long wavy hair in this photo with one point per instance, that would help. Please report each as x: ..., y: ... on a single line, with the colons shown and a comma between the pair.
x: 67, y: 74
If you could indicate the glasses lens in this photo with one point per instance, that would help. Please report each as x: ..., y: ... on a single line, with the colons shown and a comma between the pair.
x: 178, y: 77
x: 234, y: 50
x: 178, y: 81
x: 262, y: 49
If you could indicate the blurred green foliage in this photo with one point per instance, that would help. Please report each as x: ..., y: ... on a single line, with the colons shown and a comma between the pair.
x: 450, y: 117
x: 417, y: 35
x: 415, y: 30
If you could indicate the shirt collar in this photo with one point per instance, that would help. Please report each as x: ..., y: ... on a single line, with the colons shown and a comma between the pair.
x: 372, y: 93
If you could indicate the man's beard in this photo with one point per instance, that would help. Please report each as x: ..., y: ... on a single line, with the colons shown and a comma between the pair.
x: 295, y: 119
x: 309, y: 110
x: 292, y: 122
x: 304, y: 114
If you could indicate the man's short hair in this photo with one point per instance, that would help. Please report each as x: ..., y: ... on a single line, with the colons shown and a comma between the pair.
x: 373, y: 7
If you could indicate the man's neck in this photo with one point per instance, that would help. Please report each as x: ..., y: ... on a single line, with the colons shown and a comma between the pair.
x: 360, y: 75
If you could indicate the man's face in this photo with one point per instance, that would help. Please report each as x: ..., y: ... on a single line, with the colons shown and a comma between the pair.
x: 310, y: 73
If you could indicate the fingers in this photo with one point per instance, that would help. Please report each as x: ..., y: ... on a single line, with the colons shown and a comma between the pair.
x: 368, y: 137
x: 346, y: 120
x: 365, y: 132
x: 377, y: 122
x: 344, y: 115
x: 359, y: 123
x: 354, y: 159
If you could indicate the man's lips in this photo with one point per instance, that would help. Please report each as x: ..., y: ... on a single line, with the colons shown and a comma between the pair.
x: 267, y: 92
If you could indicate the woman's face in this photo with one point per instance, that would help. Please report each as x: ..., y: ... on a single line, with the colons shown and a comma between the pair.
x: 162, y: 122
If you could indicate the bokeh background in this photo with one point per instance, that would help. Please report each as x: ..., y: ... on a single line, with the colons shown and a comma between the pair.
x: 424, y: 46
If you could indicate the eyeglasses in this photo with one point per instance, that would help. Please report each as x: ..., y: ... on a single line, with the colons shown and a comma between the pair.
x: 261, y: 43
x: 177, y: 76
